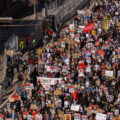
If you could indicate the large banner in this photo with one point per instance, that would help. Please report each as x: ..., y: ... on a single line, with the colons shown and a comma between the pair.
x: 46, y: 82
x: 89, y: 28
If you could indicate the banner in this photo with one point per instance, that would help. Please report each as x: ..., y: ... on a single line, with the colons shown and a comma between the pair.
x: 46, y: 82
x: 89, y: 28
x: 100, y: 116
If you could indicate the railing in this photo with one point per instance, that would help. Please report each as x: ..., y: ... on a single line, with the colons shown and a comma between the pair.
x: 3, y: 65
x: 65, y: 9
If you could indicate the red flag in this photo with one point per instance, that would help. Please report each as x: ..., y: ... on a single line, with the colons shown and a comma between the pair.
x: 49, y: 32
x: 88, y: 28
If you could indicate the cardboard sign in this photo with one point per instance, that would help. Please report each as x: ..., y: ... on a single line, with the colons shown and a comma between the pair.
x: 9, y: 119
x: 33, y: 107
x: 46, y: 82
x: 11, y: 99
x: 51, y: 105
x: 100, y: 116
x: 58, y: 92
x: 10, y: 52
x: 61, y: 114
x: 75, y: 107
x: 89, y: 28
x: 108, y: 73
x: 39, y: 51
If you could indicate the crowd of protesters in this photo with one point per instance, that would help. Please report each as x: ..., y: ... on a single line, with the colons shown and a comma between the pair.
x: 75, y: 76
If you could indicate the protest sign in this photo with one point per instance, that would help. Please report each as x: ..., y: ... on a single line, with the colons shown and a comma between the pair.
x: 81, y: 65
x: 33, y: 107
x: 16, y: 97
x: 100, y: 116
x: 75, y: 107
x: 68, y: 117
x: 11, y: 99
x: 39, y: 51
x: 25, y: 115
x: 80, y: 12
x: 118, y: 74
x: 30, y: 117
x: 84, y: 117
x: 71, y: 89
x: 101, y: 52
x: 76, y: 116
x: 88, y: 68
x: 58, y: 92
x: 108, y: 73
x: 48, y: 81
x: 88, y: 28
x: 61, y: 114
x: 9, y: 119
x: 10, y: 52
x: 93, y: 32
x: 1, y: 117
x: 51, y: 105
x: 106, y: 23
x: 29, y: 86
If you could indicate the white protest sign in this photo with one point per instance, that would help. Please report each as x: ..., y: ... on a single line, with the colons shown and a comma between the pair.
x: 29, y: 86
x: 80, y: 12
x: 75, y: 107
x: 48, y: 81
x: 30, y: 117
x: 108, y: 73
x: 88, y: 68
x: 100, y: 116
x: 118, y: 73
x: 71, y: 89
x: 71, y: 26
x: 1, y: 117
x: 88, y: 60
x: 76, y: 116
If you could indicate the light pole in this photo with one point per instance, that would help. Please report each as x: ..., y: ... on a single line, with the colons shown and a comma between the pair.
x: 34, y: 5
